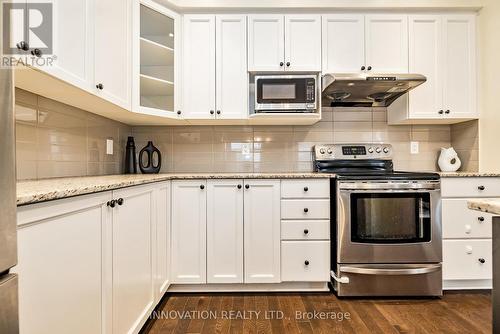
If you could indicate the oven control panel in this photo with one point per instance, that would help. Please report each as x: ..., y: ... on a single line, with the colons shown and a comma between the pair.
x: 352, y: 151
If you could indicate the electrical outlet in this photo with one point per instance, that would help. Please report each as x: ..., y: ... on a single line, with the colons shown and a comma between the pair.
x: 109, y: 146
x: 414, y: 149
x: 245, y: 149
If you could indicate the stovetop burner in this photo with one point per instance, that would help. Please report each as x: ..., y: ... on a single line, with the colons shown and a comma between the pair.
x: 362, y: 162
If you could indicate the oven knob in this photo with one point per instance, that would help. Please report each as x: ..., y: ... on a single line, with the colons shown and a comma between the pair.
x: 322, y: 150
x: 378, y: 150
x: 329, y: 151
x: 370, y: 150
x: 386, y: 150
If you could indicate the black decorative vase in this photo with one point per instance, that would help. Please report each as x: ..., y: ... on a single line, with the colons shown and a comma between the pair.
x: 130, y: 158
x: 146, y: 164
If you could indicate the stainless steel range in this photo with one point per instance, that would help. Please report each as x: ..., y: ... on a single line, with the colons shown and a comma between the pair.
x: 386, y: 225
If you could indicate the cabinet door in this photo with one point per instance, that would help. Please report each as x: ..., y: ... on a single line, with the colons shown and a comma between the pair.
x: 459, y: 65
x: 343, y: 43
x: 266, y: 43
x: 133, y: 278
x: 162, y: 239
x: 113, y: 51
x: 262, y: 231
x: 225, y: 231
x: 425, y: 36
x: 386, y: 38
x: 189, y: 217
x: 199, y: 66
x: 232, y: 77
x: 73, y: 43
x: 61, y: 252
x: 303, y: 42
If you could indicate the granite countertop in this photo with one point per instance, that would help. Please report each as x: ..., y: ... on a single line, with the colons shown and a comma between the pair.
x: 29, y: 192
x: 469, y: 174
x: 485, y: 205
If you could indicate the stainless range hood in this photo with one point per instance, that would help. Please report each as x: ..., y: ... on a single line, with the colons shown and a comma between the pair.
x: 367, y: 90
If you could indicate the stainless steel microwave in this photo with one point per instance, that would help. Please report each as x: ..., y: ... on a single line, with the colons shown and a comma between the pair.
x: 285, y: 93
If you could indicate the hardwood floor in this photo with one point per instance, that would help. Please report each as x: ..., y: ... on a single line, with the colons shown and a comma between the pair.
x: 465, y: 312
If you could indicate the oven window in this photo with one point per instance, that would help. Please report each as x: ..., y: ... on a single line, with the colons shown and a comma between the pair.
x: 278, y: 91
x: 390, y: 218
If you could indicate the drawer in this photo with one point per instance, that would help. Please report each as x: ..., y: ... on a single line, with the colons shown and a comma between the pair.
x: 461, y: 259
x: 470, y: 187
x: 305, y: 209
x: 305, y: 188
x: 305, y: 230
x: 305, y: 261
x: 461, y: 222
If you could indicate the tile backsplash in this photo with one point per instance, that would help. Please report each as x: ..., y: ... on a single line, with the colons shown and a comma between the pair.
x: 288, y: 148
x: 57, y: 140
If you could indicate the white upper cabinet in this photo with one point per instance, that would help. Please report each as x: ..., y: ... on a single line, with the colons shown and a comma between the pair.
x: 199, y: 67
x: 231, y: 67
x: 266, y: 43
x: 425, y: 36
x: 156, y: 72
x: 189, y: 217
x: 133, y: 277
x: 113, y: 51
x: 73, y: 43
x: 262, y: 231
x: 459, y: 56
x: 343, y: 43
x: 386, y: 38
x: 303, y: 42
x: 442, y: 48
x: 225, y: 231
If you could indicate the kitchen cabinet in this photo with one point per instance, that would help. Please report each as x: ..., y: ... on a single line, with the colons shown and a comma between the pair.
x: 215, y: 67
x: 386, y: 38
x: 284, y: 42
x: 108, y: 258
x: 343, y: 43
x: 133, y: 277
x: 156, y: 70
x: 189, y: 238
x: 63, y: 257
x: 467, y: 262
x: 365, y: 43
x: 113, y: 51
x: 442, y: 48
x: 225, y: 231
x: 262, y: 231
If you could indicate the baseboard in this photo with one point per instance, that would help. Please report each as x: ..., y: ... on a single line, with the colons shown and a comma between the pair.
x: 264, y: 287
x: 480, y: 284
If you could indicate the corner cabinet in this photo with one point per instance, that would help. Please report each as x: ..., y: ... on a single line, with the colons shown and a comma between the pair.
x: 215, y: 67
x: 156, y: 79
x: 105, y: 254
x: 284, y: 43
x: 443, y: 48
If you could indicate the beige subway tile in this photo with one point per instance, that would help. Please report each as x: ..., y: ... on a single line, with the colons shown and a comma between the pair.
x: 313, y: 136
x: 352, y: 137
x: 318, y: 127
x: 233, y: 167
x: 25, y: 97
x: 269, y: 136
x: 26, y: 170
x: 352, y: 116
x: 25, y: 113
x: 271, y: 167
x: 49, y: 169
x: 26, y: 133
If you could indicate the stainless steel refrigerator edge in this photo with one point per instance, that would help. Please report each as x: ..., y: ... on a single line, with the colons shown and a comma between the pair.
x: 9, y: 319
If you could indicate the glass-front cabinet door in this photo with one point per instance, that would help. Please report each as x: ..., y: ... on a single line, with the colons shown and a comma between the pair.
x: 156, y: 88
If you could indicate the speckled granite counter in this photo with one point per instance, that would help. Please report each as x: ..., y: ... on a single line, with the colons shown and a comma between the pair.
x: 29, y: 192
x: 469, y: 174
x: 485, y: 205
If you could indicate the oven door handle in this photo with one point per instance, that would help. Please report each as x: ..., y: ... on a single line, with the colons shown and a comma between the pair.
x: 390, y: 271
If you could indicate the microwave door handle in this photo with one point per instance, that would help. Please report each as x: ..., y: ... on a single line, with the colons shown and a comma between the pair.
x: 390, y: 271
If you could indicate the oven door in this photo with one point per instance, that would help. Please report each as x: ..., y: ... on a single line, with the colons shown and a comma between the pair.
x: 285, y: 93
x: 388, y: 225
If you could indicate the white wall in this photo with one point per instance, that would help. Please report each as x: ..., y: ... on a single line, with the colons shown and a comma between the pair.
x: 489, y: 87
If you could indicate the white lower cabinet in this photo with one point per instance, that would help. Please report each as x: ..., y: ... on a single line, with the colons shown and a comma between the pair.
x: 262, y: 231
x: 467, y: 250
x: 90, y: 264
x: 189, y: 234
x: 225, y: 231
